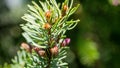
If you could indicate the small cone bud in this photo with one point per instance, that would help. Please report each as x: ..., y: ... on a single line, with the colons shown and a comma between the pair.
x: 65, y: 7
x: 54, y: 50
x: 41, y: 53
x: 36, y: 49
x: 66, y: 42
x: 26, y: 47
x: 48, y: 14
x: 47, y: 26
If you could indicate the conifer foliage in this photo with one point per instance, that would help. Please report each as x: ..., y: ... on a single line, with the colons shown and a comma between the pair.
x: 46, y: 42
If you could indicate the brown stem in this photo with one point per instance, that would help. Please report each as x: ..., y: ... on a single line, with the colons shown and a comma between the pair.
x: 49, y: 57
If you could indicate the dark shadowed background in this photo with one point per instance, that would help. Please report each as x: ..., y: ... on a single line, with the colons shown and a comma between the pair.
x: 95, y: 42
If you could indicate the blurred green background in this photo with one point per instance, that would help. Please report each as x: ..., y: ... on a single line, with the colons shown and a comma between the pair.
x: 95, y: 42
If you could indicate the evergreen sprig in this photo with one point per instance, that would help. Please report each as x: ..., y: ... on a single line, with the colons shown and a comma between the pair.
x: 44, y: 32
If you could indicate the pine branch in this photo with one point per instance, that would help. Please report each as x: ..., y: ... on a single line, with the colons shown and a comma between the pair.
x: 44, y: 32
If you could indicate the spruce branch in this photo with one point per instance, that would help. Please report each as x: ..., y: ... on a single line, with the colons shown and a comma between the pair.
x: 44, y: 32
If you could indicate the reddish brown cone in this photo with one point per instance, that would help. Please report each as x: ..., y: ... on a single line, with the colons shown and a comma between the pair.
x: 48, y: 14
x: 65, y: 7
x: 54, y: 50
x: 26, y: 47
x: 39, y: 51
x: 46, y: 26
